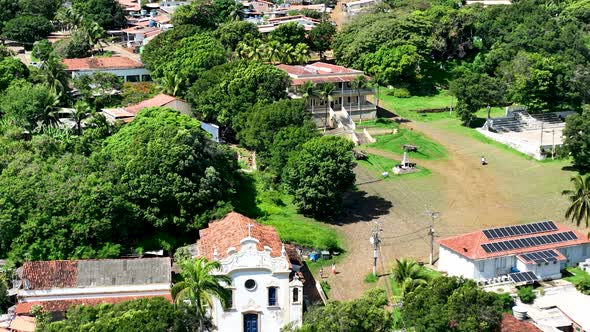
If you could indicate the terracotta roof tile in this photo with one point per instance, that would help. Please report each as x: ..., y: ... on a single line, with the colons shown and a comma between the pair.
x: 50, y: 274
x: 469, y: 245
x: 511, y: 324
x: 115, y: 62
x: 230, y: 230
x: 64, y: 305
x: 23, y: 324
x: 156, y: 101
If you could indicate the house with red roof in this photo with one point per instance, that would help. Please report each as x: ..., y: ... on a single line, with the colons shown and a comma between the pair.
x: 58, y: 285
x: 524, y: 253
x: 127, y: 114
x: 129, y: 69
x: 267, y: 292
x: 347, y: 104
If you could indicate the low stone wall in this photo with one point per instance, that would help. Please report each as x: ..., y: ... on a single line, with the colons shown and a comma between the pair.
x: 523, y: 147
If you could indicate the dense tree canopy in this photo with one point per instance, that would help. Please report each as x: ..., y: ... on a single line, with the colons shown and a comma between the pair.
x: 28, y: 105
x: 107, y: 13
x: 27, y: 29
x: 441, y: 306
x: 160, y: 50
x: 10, y: 70
x: 577, y: 140
x: 318, y: 174
x: 233, y: 32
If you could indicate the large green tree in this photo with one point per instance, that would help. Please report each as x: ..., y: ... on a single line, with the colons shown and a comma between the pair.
x: 318, y: 175
x: 233, y: 32
x: 320, y: 38
x: 475, y: 91
x: 441, y: 306
x: 394, y: 64
x: 291, y: 33
x: 367, y: 314
x: 27, y: 105
x: 160, y: 50
x: 27, y: 29
x: 577, y: 140
x: 10, y: 70
x: 107, y: 13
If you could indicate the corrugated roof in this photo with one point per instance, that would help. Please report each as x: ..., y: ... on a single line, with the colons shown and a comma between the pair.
x: 23, y: 324
x: 230, y: 230
x: 115, y: 62
x: 156, y: 101
x: 469, y: 245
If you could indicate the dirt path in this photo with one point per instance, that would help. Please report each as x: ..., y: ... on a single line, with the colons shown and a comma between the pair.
x: 469, y: 196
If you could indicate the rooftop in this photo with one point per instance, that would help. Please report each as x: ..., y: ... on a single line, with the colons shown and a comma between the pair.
x: 471, y: 245
x: 115, y: 62
x: 23, y: 324
x: 156, y: 101
x: 511, y: 324
x: 319, y: 72
x: 229, y: 231
x: 573, y: 304
x: 44, y: 275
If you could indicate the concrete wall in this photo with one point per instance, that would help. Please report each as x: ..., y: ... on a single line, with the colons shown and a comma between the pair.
x: 111, y: 272
x: 544, y: 271
x: 124, y: 73
x: 575, y: 254
x: 454, y: 264
x: 181, y: 106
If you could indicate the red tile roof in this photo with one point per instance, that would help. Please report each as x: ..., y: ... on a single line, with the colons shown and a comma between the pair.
x: 469, y: 245
x: 64, y: 305
x: 50, y: 274
x: 230, y: 230
x: 511, y: 324
x: 317, y: 68
x: 156, y: 101
x: 115, y: 62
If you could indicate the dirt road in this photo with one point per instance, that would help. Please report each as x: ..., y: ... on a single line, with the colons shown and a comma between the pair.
x: 469, y: 196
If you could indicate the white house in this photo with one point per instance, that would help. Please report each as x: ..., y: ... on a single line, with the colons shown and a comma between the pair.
x: 57, y: 285
x: 128, y: 69
x: 345, y: 104
x: 543, y: 248
x: 266, y: 293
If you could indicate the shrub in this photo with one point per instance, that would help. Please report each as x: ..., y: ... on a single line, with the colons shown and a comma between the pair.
x: 505, y: 301
x: 526, y: 294
x: 371, y: 278
x: 325, y: 287
x: 384, y: 121
x: 584, y: 286
x: 401, y: 93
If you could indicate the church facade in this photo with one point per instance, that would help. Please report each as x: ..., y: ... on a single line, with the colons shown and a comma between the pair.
x: 266, y: 293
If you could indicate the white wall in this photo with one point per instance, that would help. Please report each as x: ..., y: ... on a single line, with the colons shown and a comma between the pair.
x: 124, y: 73
x: 545, y: 272
x: 454, y: 264
x: 575, y: 254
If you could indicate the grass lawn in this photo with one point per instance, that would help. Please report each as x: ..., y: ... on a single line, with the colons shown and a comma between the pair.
x: 275, y: 208
x: 427, y: 149
x: 575, y: 275
x: 379, y: 164
x: 378, y: 123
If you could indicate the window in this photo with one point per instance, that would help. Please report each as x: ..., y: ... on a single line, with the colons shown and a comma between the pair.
x: 133, y: 78
x: 250, y: 323
x: 272, y: 296
x: 250, y: 284
x: 146, y: 78
x: 295, y: 295
x: 230, y: 302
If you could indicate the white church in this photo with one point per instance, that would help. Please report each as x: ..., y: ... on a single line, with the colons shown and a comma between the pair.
x: 267, y: 293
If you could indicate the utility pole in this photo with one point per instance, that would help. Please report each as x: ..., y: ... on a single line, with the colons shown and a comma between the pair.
x: 433, y: 216
x: 375, y: 241
x: 553, y: 144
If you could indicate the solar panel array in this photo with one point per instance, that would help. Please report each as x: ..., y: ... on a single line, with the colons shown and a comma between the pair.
x: 537, y: 227
x: 544, y: 256
x: 523, y: 277
x: 531, y: 241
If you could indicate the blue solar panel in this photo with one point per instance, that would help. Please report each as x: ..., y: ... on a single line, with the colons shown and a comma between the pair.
x: 538, y: 227
x: 528, y: 242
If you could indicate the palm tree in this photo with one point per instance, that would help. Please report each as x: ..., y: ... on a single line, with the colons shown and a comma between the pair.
x: 308, y: 90
x: 408, y: 275
x: 326, y: 95
x: 286, y: 53
x: 95, y: 34
x: 49, y: 115
x: 580, y: 200
x: 199, y: 287
x: 273, y: 51
x: 82, y: 111
x: 55, y: 75
x: 301, y: 53
x: 376, y: 82
x: 170, y: 83
x: 359, y: 83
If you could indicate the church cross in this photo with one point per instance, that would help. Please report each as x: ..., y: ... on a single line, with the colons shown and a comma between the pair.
x: 250, y: 230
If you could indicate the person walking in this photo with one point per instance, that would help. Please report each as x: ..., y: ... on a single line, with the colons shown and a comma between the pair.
x: 334, y: 268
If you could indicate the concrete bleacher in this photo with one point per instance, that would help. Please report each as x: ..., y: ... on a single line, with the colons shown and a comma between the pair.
x: 521, y: 120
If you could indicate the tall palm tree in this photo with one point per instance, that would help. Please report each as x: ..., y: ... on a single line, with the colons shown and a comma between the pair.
x: 200, y: 286
x: 359, y: 83
x: 286, y: 54
x: 301, y: 53
x: 55, y: 75
x: 408, y: 275
x: 326, y: 91
x: 95, y: 33
x: 81, y: 112
x: 273, y: 51
x: 579, y: 208
x: 49, y: 115
x: 308, y: 90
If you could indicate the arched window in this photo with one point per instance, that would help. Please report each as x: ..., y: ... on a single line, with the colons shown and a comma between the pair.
x: 295, y: 295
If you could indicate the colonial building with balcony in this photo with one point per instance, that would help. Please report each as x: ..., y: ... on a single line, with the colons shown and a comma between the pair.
x: 345, y: 104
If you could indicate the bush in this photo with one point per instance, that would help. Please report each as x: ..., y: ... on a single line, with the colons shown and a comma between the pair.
x: 401, y: 93
x: 505, y: 301
x: 584, y: 286
x: 325, y: 287
x: 526, y: 294
x: 371, y: 278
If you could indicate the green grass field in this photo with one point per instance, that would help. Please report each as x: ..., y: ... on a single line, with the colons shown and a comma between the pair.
x: 575, y: 275
x: 427, y: 149
x: 378, y: 165
x: 272, y: 207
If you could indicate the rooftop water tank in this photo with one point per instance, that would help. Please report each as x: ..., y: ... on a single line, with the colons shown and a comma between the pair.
x: 519, y: 312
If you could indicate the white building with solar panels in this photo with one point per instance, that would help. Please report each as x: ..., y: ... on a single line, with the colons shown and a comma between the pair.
x: 520, y: 253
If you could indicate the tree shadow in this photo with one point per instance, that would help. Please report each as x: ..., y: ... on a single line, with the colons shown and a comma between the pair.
x: 244, y: 200
x: 359, y: 206
x: 571, y: 168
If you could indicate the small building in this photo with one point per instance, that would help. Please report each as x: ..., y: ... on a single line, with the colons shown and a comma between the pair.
x: 541, y: 248
x: 127, y: 114
x: 346, y: 105
x: 511, y: 324
x: 355, y: 7
x: 565, y: 310
x: 57, y: 285
x: 128, y: 69
x: 267, y: 293
x: 273, y: 23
